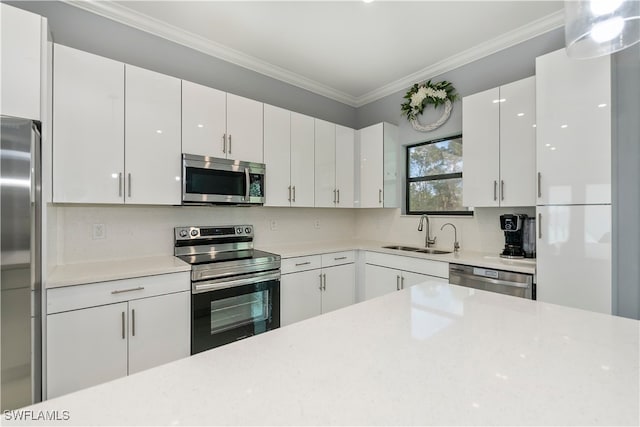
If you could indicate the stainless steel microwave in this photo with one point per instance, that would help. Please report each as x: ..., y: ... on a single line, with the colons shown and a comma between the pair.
x: 209, y: 180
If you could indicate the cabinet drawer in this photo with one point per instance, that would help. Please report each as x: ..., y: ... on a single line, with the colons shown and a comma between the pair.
x: 303, y: 263
x: 416, y: 265
x: 94, y: 294
x: 338, y: 258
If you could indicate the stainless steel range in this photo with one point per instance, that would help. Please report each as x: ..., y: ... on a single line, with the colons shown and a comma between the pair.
x: 235, y: 289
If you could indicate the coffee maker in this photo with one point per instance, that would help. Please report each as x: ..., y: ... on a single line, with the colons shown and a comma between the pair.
x: 519, y: 231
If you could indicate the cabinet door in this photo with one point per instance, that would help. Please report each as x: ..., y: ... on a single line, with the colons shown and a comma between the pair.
x: 299, y: 296
x: 481, y: 148
x: 159, y: 330
x: 573, y: 113
x: 302, y: 160
x: 21, y: 46
x: 88, y: 128
x: 244, y: 129
x: 86, y: 347
x: 340, y: 287
x: 345, y: 166
x: 204, y: 120
x: 574, y: 256
x: 517, y: 143
x: 325, y: 164
x: 277, y: 155
x: 371, y: 166
x: 380, y: 281
x: 409, y: 279
x: 152, y: 138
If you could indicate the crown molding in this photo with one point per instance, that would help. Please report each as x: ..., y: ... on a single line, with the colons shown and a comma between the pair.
x: 519, y: 35
x: 134, y: 19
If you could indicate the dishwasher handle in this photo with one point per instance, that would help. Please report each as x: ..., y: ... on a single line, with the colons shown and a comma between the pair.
x: 483, y: 279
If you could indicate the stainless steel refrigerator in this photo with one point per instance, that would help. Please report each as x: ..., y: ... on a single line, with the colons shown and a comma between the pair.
x: 20, y: 296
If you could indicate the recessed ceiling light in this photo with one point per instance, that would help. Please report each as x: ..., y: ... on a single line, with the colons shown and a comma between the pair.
x: 520, y: 114
x: 553, y: 148
x: 533, y: 125
x: 547, y: 145
x: 159, y: 131
x: 495, y: 101
x: 564, y: 126
x: 602, y: 105
x: 200, y: 126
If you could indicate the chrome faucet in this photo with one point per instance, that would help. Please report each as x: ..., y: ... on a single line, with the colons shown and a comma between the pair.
x: 427, y: 241
x: 456, y: 245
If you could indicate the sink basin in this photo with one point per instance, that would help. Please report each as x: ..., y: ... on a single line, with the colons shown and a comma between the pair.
x: 433, y: 251
x: 403, y: 248
x: 421, y: 250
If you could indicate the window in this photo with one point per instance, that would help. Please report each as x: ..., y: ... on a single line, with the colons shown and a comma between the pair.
x: 434, y: 177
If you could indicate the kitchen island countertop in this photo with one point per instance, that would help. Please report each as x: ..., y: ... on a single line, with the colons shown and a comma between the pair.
x: 432, y: 354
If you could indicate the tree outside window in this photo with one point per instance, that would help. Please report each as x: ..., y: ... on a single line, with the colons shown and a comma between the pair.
x: 434, y: 177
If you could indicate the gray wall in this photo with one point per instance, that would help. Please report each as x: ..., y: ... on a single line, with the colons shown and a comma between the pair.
x: 514, y: 63
x: 86, y: 31
x: 626, y: 182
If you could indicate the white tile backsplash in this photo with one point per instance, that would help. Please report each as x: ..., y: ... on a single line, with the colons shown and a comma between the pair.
x: 138, y: 231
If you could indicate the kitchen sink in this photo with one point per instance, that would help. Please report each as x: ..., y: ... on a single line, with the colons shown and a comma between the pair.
x: 420, y: 250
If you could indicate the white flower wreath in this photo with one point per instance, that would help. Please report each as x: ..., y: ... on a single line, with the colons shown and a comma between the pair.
x: 423, y: 94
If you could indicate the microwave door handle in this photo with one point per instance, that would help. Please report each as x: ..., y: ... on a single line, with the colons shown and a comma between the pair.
x: 248, y: 184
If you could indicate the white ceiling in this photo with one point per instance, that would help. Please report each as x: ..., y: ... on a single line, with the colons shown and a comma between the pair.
x: 351, y: 51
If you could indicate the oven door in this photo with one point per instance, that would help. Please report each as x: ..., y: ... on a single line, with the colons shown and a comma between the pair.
x: 212, y: 180
x: 230, y: 309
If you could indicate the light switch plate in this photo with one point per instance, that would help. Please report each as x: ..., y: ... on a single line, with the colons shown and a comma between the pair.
x: 99, y: 231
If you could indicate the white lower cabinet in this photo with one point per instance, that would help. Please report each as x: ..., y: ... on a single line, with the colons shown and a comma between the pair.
x: 388, y: 273
x: 134, y: 329
x: 314, y: 285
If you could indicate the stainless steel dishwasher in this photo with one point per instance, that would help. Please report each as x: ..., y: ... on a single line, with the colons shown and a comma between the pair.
x: 500, y: 281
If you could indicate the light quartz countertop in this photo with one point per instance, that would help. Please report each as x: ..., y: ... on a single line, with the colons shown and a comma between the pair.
x: 92, y: 272
x: 478, y: 259
x: 432, y: 354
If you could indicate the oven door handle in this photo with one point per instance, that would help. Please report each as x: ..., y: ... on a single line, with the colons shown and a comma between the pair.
x: 247, y: 183
x: 249, y: 279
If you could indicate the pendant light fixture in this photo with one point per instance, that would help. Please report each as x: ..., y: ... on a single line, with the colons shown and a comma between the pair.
x: 600, y: 27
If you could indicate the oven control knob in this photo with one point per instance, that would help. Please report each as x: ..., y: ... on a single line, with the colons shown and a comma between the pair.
x: 239, y: 230
x: 183, y: 233
x: 247, y: 230
x: 194, y: 233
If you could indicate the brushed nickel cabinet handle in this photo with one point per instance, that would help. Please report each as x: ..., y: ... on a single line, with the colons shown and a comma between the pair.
x: 339, y: 258
x: 397, y: 283
x: 539, y: 226
x: 495, y: 190
x: 224, y: 143
x: 118, y: 291
x: 294, y: 193
x: 402, y: 283
x: 539, y: 185
x: 289, y: 199
x: 334, y: 195
x: 129, y: 184
x: 229, y: 143
x: 324, y: 279
x: 338, y: 190
x: 379, y: 196
x: 501, y: 190
x: 133, y: 322
x: 120, y: 184
x: 123, y: 329
x: 320, y: 275
x: 303, y: 263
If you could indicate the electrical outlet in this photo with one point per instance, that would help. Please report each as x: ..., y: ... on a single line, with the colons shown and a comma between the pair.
x: 316, y: 223
x: 273, y: 225
x: 99, y: 231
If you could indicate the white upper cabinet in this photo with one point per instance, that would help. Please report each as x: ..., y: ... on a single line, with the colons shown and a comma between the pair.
x: 498, y: 129
x: 22, y: 36
x: 152, y: 137
x: 244, y: 129
x: 204, y: 120
x: 345, y: 166
x: 573, y: 129
x: 481, y: 148
x: 378, y: 158
x: 277, y: 155
x: 518, y: 143
x: 302, y: 160
x: 325, y: 164
x: 88, y: 128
